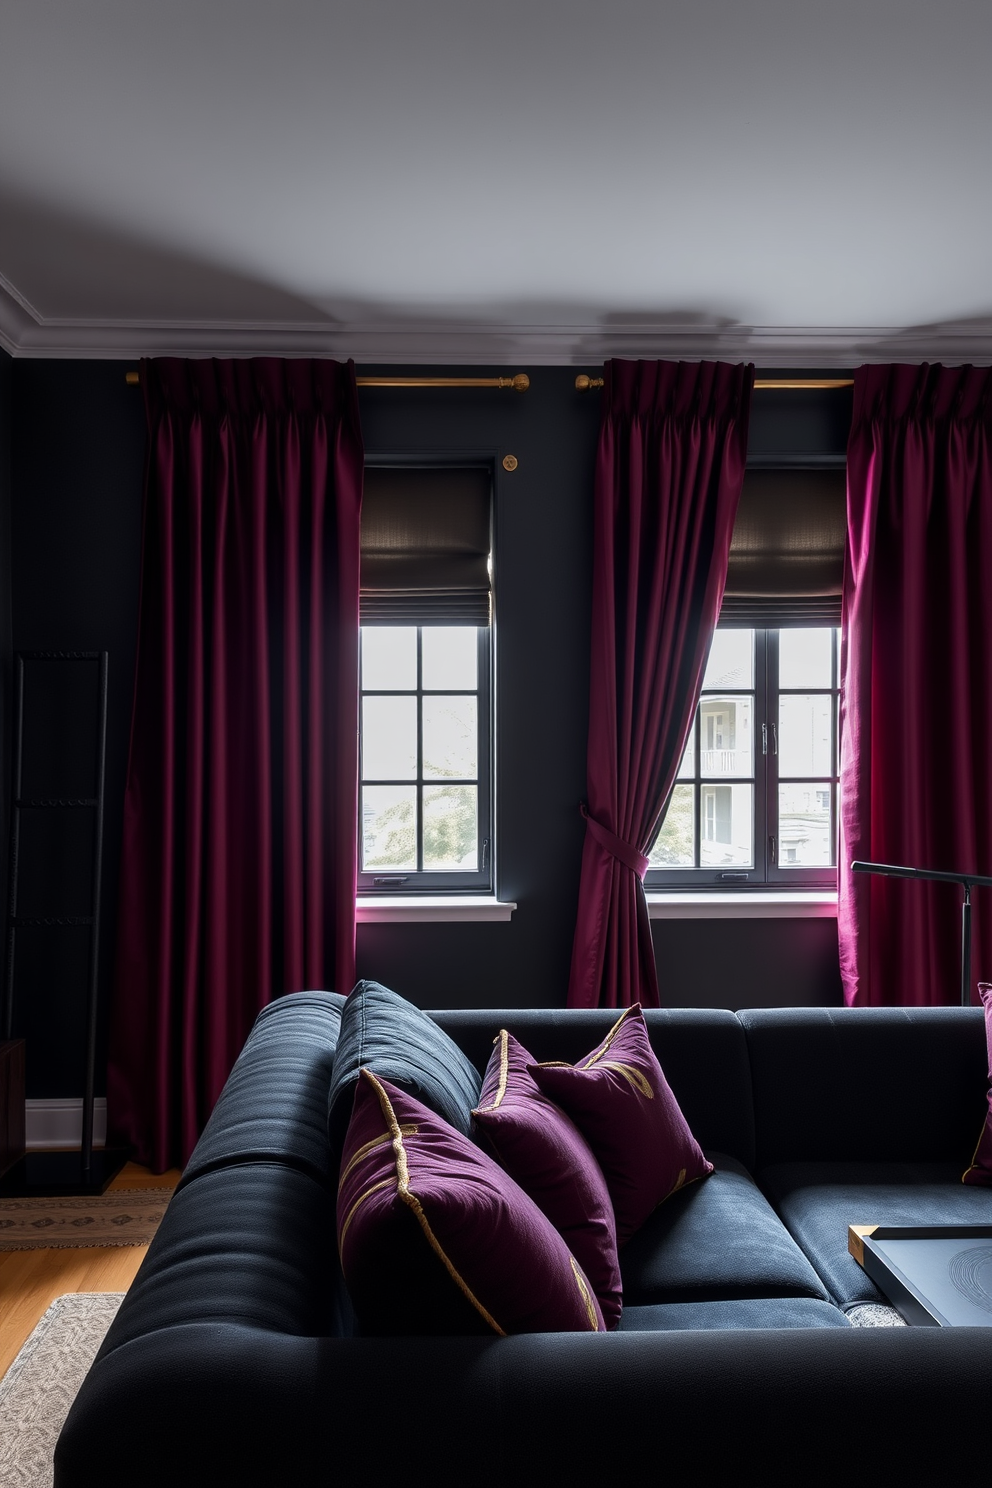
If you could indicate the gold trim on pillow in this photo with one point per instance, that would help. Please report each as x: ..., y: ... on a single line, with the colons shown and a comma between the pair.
x: 502, y: 1038
x: 634, y: 1077
x: 410, y: 1199
x: 593, y: 1058
x: 408, y: 1130
x: 973, y: 1164
x: 383, y: 1183
x: 583, y: 1287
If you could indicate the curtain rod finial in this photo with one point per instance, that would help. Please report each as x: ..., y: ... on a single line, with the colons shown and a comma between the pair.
x: 584, y: 384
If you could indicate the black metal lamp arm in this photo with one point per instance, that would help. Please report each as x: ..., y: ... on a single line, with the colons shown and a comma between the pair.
x: 968, y: 881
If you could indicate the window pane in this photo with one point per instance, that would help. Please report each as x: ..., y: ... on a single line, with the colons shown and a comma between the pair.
x: 804, y: 735
x: 389, y: 827
x: 804, y: 837
x: 804, y: 658
x: 725, y: 826
x: 731, y: 662
x: 389, y: 738
x: 450, y: 737
x: 449, y: 656
x: 687, y: 768
x: 389, y: 656
x: 451, y: 832
x: 726, y: 736
x: 673, y: 844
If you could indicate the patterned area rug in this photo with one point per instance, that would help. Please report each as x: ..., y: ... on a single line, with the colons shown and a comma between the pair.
x: 124, y: 1217
x: 41, y: 1384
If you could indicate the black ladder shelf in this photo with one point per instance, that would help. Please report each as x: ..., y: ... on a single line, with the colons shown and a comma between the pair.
x: 87, y: 1170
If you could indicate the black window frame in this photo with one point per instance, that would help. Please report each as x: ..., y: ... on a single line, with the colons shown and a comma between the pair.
x: 768, y: 872
x: 420, y: 880
x: 386, y: 883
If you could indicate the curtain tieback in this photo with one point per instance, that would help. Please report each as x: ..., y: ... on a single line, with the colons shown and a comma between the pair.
x: 622, y: 851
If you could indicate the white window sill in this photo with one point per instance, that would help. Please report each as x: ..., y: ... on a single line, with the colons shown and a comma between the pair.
x: 422, y: 909
x: 769, y: 906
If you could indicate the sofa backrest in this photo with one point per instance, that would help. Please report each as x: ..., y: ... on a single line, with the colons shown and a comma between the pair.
x: 703, y: 1052
x: 866, y: 1084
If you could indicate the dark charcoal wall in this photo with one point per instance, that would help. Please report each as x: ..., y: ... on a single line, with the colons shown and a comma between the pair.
x: 77, y: 439
x: 78, y: 453
x: 6, y: 382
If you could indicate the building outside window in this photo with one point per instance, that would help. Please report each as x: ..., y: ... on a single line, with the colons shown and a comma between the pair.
x: 756, y: 799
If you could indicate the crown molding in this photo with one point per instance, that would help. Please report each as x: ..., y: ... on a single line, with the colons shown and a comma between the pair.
x: 17, y: 318
x: 25, y: 333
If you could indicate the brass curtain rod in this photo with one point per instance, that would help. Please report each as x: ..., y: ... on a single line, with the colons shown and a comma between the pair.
x: 585, y: 384
x: 519, y: 383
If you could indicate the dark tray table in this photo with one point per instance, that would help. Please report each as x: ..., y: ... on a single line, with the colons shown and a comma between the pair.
x: 935, y: 1275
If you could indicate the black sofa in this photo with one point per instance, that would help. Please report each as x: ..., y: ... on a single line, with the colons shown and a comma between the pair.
x: 234, y: 1357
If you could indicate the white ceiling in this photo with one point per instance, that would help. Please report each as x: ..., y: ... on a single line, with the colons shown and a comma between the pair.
x: 533, y: 181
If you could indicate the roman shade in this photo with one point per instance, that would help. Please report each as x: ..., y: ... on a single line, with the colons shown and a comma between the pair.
x: 787, y: 551
x: 425, y: 545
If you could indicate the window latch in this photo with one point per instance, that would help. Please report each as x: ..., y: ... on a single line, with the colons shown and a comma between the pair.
x: 773, y: 848
x: 764, y: 738
x: 388, y: 883
x: 485, y: 853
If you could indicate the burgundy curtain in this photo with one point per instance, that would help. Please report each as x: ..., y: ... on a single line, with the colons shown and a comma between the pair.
x: 916, y: 699
x: 240, y: 818
x: 669, y: 471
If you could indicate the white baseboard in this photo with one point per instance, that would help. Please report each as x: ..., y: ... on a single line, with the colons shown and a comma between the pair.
x: 59, y: 1123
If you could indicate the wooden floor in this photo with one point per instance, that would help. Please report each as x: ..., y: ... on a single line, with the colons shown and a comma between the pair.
x: 31, y: 1279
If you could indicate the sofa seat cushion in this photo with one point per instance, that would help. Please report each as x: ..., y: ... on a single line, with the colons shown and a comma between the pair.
x: 274, y: 1105
x: 744, y: 1312
x: 716, y: 1240
x: 382, y: 1032
x: 819, y: 1200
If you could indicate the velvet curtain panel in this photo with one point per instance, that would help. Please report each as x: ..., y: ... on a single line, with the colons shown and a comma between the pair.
x: 916, y: 698
x: 669, y: 471
x: 240, y: 820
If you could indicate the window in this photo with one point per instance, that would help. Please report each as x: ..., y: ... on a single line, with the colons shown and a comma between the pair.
x: 426, y: 680
x: 755, y: 803
x: 425, y: 758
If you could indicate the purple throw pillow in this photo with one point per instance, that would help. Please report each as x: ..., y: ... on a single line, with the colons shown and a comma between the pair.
x: 619, y: 1099
x: 435, y: 1238
x: 543, y: 1150
x: 980, y: 1171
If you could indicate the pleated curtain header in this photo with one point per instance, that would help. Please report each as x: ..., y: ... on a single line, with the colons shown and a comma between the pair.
x: 425, y: 545
x: 787, y: 552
